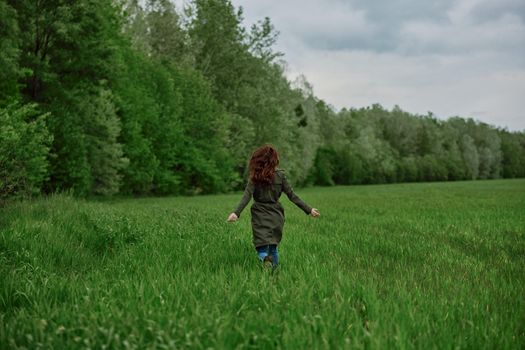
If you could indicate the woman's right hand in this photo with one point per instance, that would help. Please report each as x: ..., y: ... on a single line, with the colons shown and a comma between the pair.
x: 233, y: 217
x: 315, y: 213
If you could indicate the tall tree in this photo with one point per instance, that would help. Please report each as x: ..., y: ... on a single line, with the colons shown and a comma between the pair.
x: 24, y: 151
x: 470, y: 156
x: 513, y: 153
x: 104, y: 153
x: 68, y: 48
x: 10, y: 71
x: 220, y: 50
x: 155, y: 28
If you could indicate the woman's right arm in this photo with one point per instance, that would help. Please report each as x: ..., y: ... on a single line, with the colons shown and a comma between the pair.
x: 246, y: 197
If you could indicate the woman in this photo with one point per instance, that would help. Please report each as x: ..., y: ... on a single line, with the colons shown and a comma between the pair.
x: 266, y: 184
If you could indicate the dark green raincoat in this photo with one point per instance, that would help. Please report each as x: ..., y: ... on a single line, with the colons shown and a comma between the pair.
x: 267, y: 211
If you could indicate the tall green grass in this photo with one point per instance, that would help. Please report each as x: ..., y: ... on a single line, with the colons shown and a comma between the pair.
x: 427, y: 265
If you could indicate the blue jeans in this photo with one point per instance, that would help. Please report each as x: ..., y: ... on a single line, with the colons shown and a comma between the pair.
x: 270, y: 249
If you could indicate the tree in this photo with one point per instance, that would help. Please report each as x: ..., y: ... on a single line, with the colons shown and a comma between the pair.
x: 104, y: 153
x: 470, y: 157
x: 400, y: 129
x: 24, y: 151
x: 10, y: 71
x: 68, y: 48
x: 218, y: 41
x: 140, y: 99
x: 148, y: 107
x: 450, y: 152
x: 203, y: 160
x: 513, y: 154
x: 156, y: 31
x: 489, y: 149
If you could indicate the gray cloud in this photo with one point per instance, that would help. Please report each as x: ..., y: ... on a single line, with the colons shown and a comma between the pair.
x: 493, y: 10
x: 405, y: 26
x: 505, y: 34
x: 356, y: 25
x: 451, y: 57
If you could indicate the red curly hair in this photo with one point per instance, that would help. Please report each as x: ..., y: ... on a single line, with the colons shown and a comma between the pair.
x: 263, y: 163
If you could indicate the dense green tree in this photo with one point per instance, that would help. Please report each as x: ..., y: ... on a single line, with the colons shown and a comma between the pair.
x: 376, y: 157
x: 330, y: 130
x: 70, y: 168
x: 450, y: 153
x: 203, y: 161
x: 67, y: 48
x: 141, y: 99
x: 24, y: 151
x: 194, y: 154
x: 251, y: 86
x: 221, y: 54
x: 513, y: 151
x: 10, y: 71
x: 104, y: 153
x: 294, y: 127
x: 155, y: 29
x: 489, y: 149
x: 470, y: 156
x: 408, y: 169
x: 149, y: 107
x: 401, y: 131
x: 322, y: 172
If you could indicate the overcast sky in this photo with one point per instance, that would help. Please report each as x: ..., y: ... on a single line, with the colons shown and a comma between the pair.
x: 461, y: 57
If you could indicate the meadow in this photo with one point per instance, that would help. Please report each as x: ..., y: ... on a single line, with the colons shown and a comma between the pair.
x: 403, y: 266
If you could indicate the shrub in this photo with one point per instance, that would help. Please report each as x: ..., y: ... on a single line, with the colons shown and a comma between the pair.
x: 24, y: 151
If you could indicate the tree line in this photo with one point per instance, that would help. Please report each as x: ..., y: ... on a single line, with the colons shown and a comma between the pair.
x: 99, y: 97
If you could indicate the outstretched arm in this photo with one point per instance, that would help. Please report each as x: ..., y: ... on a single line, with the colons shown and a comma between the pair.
x: 287, y: 188
x: 248, y: 192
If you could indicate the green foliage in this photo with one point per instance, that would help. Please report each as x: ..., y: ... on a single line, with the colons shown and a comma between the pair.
x: 144, y: 99
x: 69, y: 165
x: 513, y: 149
x: 138, y: 110
x: 203, y: 161
x: 395, y: 146
x: 24, y: 151
x: 413, y: 266
x: 220, y: 49
x: 68, y: 51
x: 323, y: 169
x: 104, y: 153
x: 87, y: 155
x: 9, y: 53
x: 155, y: 30
x: 470, y: 156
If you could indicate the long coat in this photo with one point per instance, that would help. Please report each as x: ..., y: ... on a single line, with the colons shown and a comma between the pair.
x: 267, y: 211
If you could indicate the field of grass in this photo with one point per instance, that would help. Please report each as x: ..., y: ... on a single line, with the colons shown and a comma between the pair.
x: 428, y: 265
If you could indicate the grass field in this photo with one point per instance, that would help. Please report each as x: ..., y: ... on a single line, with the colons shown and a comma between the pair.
x: 429, y: 265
